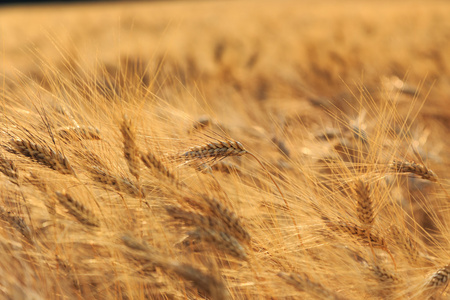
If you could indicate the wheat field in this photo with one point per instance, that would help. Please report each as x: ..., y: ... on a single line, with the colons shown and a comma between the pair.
x: 225, y: 150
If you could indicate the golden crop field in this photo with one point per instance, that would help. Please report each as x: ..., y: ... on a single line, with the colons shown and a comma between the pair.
x: 225, y: 150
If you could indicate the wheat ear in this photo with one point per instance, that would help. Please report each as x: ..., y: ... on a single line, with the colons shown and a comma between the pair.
x: 383, y: 275
x: 212, y: 285
x: 218, y: 150
x: 78, y: 133
x: 78, y: 210
x: 43, y: 154
x: 130, y: 148
x: 439, y: 278
x: 412, y: 167
x: 364, y: 205
x: 304, y: 284
x: 211, y: 230
x: 159, y: 169
x: 100, y: 173
x: 363, y: 235
x: 17, y: 222
x: 405, y: 241
x: 119, y: 183
x: 229, y: 218
x: 8, y: 167
x: 229, y: 223
x: 223, y: 149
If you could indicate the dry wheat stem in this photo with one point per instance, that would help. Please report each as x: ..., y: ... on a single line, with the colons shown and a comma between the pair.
x: 412, y: 167
x: 78, y: 210
x: 43, y: 154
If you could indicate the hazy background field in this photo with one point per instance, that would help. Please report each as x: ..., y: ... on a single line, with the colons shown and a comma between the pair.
x: 323, y: 92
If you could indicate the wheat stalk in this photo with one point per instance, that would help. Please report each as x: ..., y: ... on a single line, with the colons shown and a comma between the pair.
x: 415, y: 168
x: 43, y: 154
x: 130, y: 148
x: 78, y: 210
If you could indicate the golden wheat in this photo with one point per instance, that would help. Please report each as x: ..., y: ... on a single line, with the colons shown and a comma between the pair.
x: 78, y: 210
x: 312, y: 126
x: 415, y: 168
x: 364, y: 204
x: 78, y: 133
x: 43, y: 154
x: 130, y: 148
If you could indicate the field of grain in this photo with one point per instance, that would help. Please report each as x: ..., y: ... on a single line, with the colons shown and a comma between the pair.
x: 225, y: 150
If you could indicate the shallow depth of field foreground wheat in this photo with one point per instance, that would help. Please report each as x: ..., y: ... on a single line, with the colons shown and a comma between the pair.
x: 225, y: 150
